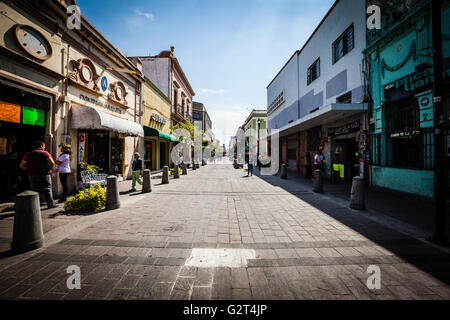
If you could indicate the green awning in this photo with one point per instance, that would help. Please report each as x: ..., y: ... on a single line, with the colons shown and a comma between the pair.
x: 150, y: 132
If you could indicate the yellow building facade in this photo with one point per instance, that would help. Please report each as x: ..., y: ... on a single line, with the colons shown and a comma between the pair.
x: 158, y: 141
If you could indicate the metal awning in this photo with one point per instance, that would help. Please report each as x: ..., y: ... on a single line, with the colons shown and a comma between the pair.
x: 150, y: 132
x: 324, y: 115
x: 90, y: 118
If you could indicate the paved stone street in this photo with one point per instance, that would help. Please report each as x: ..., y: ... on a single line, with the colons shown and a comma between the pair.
x: 261, y: 238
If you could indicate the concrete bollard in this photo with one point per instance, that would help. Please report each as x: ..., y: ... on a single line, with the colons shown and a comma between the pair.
x: 184, y: 169
x: 176, y: 172
x: 194, y: 166
x: 203, y: 163
x: 147, y: 182
x: 27, y: 231
x: 112, y: 193
x: 357, y: 197
x: 318, y: 181
x: 283, y: 171
x: 165, y: 176
x: 197, y: 165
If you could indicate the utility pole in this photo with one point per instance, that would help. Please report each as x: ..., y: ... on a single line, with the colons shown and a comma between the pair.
x: 440, y: 233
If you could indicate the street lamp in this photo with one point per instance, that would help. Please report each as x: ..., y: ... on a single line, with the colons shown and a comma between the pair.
x: 257, y: 144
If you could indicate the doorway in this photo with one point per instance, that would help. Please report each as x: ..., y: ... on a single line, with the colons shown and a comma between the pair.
x: 345, y: 153
x: 162, y: 155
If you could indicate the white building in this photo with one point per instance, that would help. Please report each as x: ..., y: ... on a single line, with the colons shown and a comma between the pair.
x: 316, y: 100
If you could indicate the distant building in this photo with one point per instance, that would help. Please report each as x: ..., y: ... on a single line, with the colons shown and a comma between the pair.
x: 199, y: 113
x: 255, y: 122
x: 165, y: 72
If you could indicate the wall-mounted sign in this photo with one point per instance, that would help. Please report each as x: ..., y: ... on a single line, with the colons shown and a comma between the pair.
x: 104, y: 83
x: 9, y: 112
x: 424, y: 102
x: 81, y: 147
x: 3, y: 144
x: 101, y: 104
x: 348, y: 128
x: 159, y: 118
x: 32, y: 116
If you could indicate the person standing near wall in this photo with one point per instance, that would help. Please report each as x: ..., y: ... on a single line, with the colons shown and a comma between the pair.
x: 319, y: 160
x: 137, y: 170
x: 39, y: 164
x: 64, y: 170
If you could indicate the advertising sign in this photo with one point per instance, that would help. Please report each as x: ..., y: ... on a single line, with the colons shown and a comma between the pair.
x: 3, y: 144
x: 81, y: 147
x: 32, y: 116
x: 9, y: 112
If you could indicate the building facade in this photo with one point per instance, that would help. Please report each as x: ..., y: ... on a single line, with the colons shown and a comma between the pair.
x: 165, y: 72
x: 59, y: 85
x: 158, y: 141
x: 199, y: 113
x: 317, y: 100
x: 255, y: 127
x: 401, y: 82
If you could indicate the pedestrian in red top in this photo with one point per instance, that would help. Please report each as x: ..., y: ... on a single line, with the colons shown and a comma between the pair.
x: 39, y: 164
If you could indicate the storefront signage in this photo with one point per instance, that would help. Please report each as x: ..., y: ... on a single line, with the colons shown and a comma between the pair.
x: 414, y: 81
x: 102, y: 104
x: 32, y: 116
x: 3, y: 144
x: 9, y: 112
x: 81, y: 147
x: 348, y: 128
x: 159, y: 118
x: 424, y: 102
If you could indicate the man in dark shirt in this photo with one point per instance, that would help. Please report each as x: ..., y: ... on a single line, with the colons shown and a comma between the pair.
x: 39, y: 164
x: 136, y: 166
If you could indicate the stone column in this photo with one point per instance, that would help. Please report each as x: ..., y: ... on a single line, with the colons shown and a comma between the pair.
x: 27, y: 231
x: 165, y: 176
x: 147, y: 182
x: 112, y: 193
x: 357, y: 197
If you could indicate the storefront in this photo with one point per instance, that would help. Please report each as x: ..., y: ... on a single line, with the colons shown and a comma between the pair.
x: 157, y: 146
x: 102, y: 139
x: 25, y: 117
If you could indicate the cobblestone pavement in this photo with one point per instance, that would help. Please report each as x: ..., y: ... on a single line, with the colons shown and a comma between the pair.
x: 306, y: 246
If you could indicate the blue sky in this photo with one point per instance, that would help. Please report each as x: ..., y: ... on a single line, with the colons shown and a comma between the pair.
x: 230, y: 50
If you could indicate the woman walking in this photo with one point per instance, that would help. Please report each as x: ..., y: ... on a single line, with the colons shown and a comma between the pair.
x: 64, y: 170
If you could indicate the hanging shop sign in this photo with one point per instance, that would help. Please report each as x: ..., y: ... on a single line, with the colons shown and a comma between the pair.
x: 9, y: 112
x: 159, y: 118
x: 348, y: 128
x: 102, y: 104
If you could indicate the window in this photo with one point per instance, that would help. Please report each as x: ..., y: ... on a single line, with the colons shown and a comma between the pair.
x: 314, y: 71
x: 375, y: 143
x: 345, y: 98
x: 343, y: 45
x: 408, y: 145
x: 175, y: 99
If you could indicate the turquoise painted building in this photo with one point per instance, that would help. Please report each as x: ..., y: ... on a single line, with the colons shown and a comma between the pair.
x: 401, y: 79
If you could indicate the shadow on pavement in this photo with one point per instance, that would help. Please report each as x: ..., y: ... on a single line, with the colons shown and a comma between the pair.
x: 421, y: 254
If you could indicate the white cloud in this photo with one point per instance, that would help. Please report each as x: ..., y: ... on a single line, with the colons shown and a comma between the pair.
x: 212, y: 91
x: 149, y: 16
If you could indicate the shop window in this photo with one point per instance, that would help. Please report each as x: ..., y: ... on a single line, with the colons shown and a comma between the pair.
x: 408, y: 145
x: 343, y: 45
x: 313, y: 71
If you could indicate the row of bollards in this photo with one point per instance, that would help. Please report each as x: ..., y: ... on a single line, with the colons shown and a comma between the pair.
x: 28, y: 232
x: 357, y: 196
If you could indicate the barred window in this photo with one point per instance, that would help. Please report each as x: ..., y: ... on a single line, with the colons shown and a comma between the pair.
x: 313, y: 71
x: 344, y: 44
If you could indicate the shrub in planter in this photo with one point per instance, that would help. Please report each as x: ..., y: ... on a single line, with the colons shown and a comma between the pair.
x: 92, y: 199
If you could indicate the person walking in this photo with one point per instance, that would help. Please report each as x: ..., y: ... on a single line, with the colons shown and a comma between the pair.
x: 137, y: 169
x: 64, y: 170
x: 39, y: 164
x: 250, y: 165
